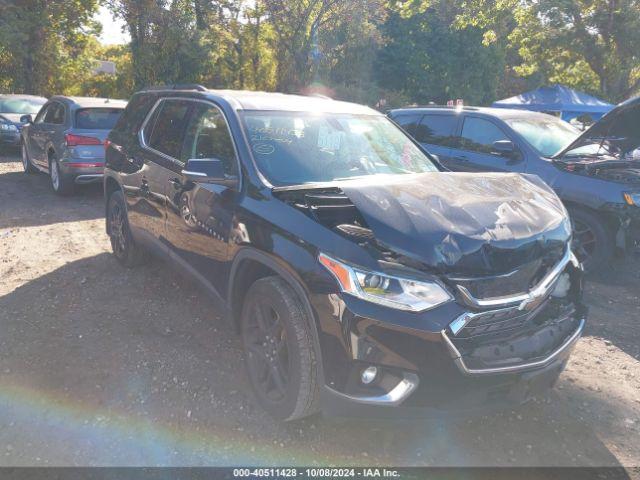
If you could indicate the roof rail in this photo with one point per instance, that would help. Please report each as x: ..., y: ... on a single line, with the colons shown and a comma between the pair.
x: 178, y: 86
x: 439, y: 106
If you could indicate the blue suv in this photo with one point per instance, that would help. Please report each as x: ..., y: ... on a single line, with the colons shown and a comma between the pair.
x: 596, y: 173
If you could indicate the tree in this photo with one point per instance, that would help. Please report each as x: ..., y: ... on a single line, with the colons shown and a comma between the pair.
x: 429, y: 58
x: 296, y: 25
x: 589, y: 44
x: 43, y: 43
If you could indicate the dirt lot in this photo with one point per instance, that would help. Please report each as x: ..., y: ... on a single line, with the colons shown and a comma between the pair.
x: 154, y: 378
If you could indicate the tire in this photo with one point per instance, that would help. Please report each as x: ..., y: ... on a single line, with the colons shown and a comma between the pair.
x: 26, y: 161
x: 278, y: 343
x: 593, y: 240
x: 62, y: 184
x: 124, y: 248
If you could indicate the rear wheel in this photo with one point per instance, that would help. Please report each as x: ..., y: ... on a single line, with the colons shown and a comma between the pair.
x: 61, y: 183
x: 26, y: 161
x: 124, y: 248
x: 593, y: 241
x: 279, y: 352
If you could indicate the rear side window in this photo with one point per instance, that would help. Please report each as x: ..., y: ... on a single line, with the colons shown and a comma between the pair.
x: 409, y: 123
x: 437, y: 130
x: 478, y: 135
x: 168, y: 130
x: 97, y: 118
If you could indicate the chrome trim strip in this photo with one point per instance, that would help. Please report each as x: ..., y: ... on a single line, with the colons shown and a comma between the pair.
x: 88, y: 178
x: 512, y: 368
x: 395, y: 397
x: 538, y: 291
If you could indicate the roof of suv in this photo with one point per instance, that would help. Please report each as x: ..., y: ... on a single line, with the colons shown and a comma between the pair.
x: 88, y: 102
x: 494, y: 112
x: 270, y: 101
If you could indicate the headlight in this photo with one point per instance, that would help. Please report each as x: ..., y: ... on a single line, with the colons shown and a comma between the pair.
x: 390, y: 291
x: 632, y: 199
x: 8, y: 127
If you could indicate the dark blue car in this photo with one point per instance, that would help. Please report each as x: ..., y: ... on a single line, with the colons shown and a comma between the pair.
x: 12, y: 108
x: 596, y: 173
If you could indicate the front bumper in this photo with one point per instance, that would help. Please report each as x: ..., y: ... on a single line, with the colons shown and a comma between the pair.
x: 427, y: 370
x: 11, y: 139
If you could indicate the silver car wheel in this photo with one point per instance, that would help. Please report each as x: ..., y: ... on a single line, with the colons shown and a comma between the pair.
x: 55, y: 175
x: 25, y: 159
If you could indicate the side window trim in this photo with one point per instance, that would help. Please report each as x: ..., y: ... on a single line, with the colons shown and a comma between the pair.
x: 176, y: 161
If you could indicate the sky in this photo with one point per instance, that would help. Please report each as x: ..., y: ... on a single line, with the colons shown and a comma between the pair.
x: 111, y: 29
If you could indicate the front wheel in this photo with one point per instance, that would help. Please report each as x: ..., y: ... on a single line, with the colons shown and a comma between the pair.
x: 27, y: 166
x: 593, y: 241
x: 124, y: 248
x: 279, y: 352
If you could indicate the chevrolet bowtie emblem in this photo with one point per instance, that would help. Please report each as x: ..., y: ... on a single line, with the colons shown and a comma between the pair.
x: 532, y: 302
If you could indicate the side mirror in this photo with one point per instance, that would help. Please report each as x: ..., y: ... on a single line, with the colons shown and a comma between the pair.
x: 26, y: 119
x: 208, y: 170
x: 504, y: 148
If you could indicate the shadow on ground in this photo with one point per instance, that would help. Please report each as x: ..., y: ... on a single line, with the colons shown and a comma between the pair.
x: 28, y: 200
x: 100, y: 365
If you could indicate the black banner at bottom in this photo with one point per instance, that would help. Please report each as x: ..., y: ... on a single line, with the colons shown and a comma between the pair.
x: 402, y: 473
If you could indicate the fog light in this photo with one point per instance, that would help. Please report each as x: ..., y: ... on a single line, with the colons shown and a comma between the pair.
x: 368, y: 375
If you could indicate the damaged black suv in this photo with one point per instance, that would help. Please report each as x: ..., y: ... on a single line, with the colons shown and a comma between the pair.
x: 362, y: 278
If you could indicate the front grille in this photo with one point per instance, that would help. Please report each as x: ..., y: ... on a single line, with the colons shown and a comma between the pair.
x: 519, y: 281
x: 496, y: 324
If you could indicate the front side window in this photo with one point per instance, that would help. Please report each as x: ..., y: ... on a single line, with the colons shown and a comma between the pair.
x: 298, y: 147
x: 43, y: 113
x: 479, y: 135
x: 207, y: 136
x: 167, y: 132
x: 55, y: 114
x: 409, y: 123
x: 437, y: 130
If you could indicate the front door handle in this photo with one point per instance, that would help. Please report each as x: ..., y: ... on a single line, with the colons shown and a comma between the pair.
x: 177, y: 184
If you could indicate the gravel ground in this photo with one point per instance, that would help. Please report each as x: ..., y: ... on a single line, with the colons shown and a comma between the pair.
x: 155, y: 378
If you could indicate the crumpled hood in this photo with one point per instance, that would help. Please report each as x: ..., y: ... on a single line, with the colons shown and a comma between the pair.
x: 620, y: 126
x: 463, y: 222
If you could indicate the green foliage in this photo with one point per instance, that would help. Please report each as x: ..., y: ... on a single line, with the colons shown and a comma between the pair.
x: 431, y: 60
x: 43, y: 44
x: 379, y: 52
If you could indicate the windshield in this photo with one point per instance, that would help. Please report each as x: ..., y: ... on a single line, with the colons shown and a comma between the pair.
x: 546, y: 135
x: 97, y: 118
x: 291, y: 148
x: 20, y: 105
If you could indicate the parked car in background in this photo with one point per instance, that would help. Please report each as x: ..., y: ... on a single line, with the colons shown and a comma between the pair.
x: 594, y: 172
x: 362, y: 278
x: 12, y: 108
x: 66, y: 139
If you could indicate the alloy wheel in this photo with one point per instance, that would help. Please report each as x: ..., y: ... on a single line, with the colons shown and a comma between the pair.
x: 25, y: 159
x: 55, y: 175
x: 267, y: 351
x: 117, y: 229
x: 584, y: 241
